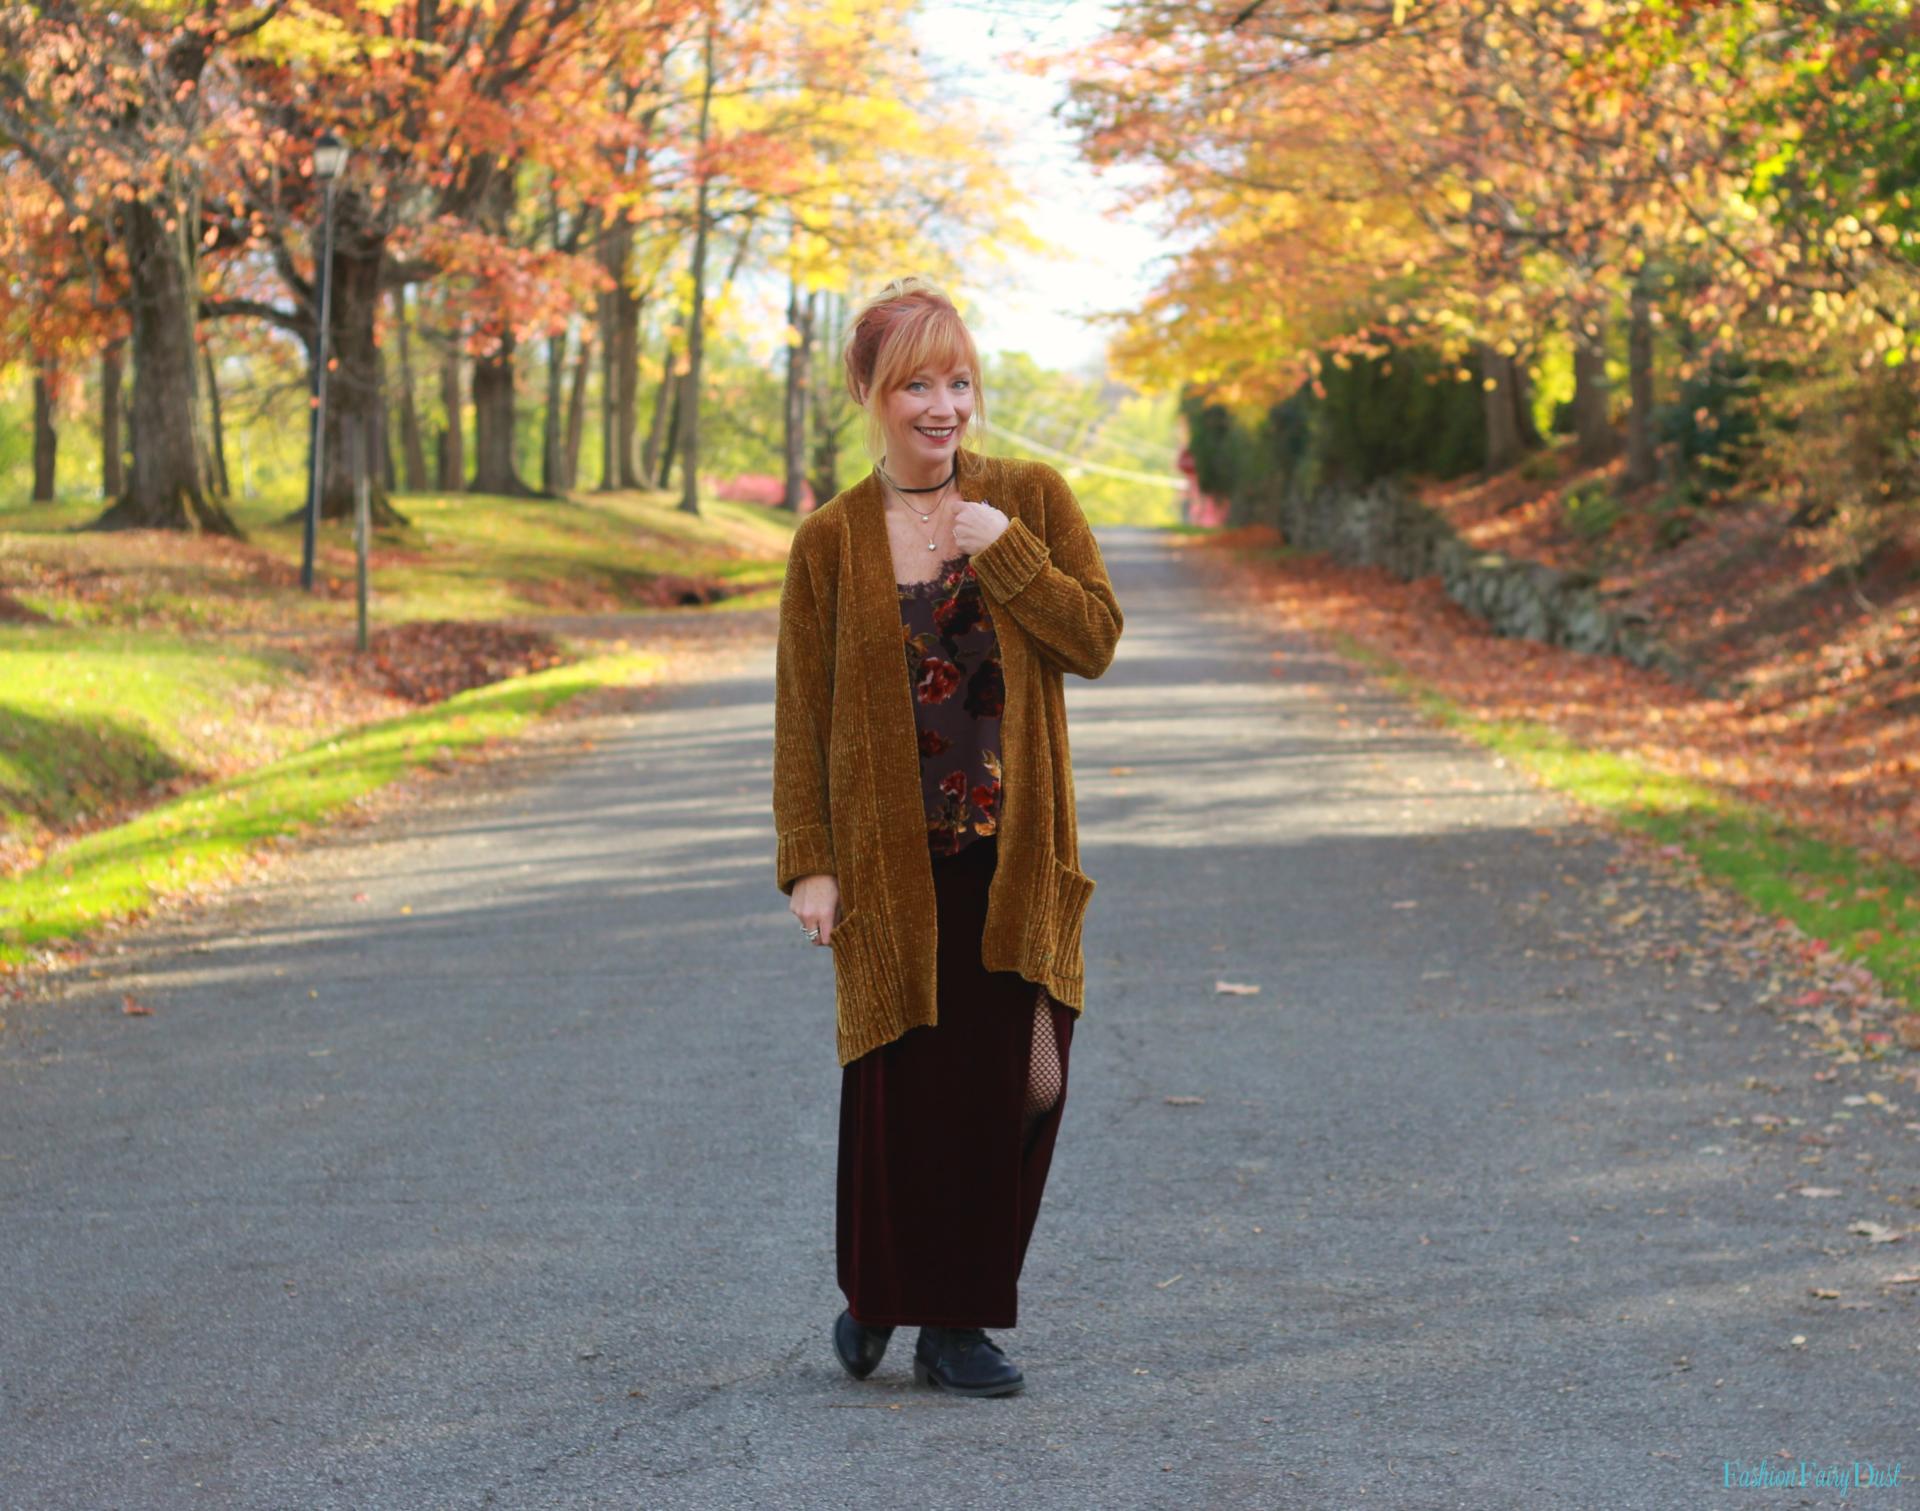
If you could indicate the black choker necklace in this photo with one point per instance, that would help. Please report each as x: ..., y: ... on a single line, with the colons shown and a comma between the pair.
x: 935, y: 488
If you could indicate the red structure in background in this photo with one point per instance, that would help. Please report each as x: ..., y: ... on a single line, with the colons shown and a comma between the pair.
x: 1199, y: 508
x: 759, y: 488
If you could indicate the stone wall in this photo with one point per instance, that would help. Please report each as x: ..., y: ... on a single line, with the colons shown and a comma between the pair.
x: 1384, y: 527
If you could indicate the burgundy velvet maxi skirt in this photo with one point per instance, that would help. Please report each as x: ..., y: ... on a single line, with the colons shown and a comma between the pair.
x: 939, y: 1184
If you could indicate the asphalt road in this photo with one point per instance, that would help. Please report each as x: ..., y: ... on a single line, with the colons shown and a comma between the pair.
x: 484, y: 1155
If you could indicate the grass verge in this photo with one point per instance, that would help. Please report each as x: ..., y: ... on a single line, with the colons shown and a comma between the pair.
x: 161, y: 661
x: 459, y: 556
x: 208, y: 834
x: 92, y: 718
x: 1867, y: 909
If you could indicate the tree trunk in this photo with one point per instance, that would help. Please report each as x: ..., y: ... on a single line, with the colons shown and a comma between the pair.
x: 577, y: 408
x: 673, y: 431
x: 687, y: 410
x: 168, y: 489
x: 453, y: 443
x: 622, y: 335
x: 609, y: 396
x: 1501, y: 404
x: 493, y: 407
x: 1530, y: 437
x: 631, y: 308
x: 825, y: 406
x: 46, y: 438
x: 383, y: 436
x: 1643, y: 464
x: 696, y: 339
x: 799, y: 350
x: 353, y: 379
x: 413, y: 452
x: 113, y: 465
x: 552, y: 465
x: 217, y: 428
x: 1591, y: 424
x: 658, y: 445
x: 826, y: 456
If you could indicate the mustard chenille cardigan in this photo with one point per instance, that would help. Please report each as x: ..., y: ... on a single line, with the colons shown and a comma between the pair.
x: 847, y: 797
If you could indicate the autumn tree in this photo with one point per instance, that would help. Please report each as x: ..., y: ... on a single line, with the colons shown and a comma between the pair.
x: 54, y: 317
x: 1355, y: 179
x: 125, y: 116
x: 447, y: 109
x: 821, y: 130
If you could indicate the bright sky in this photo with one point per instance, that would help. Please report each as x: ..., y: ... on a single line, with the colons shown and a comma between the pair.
x: 1037, y: 305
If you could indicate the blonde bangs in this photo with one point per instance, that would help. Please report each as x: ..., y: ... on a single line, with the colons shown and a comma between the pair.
x: 909, y: 327
x: 926, y: 339
x: 923, y: 333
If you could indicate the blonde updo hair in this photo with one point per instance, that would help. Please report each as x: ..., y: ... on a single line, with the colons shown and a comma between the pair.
x: 910, y: 326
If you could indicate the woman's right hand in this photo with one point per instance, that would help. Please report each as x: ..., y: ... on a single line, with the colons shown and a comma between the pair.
x: 815, y: 901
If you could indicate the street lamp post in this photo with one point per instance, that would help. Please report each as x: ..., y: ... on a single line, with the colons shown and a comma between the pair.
x: 329, y: 161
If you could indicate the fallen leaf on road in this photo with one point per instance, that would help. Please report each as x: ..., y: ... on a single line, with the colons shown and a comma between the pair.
x: 132, y: 1005
x: 1878, y: 1232
x: 1184, y: 1101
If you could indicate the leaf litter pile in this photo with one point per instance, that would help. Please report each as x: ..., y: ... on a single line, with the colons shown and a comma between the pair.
x: 1802, y: 690
x: 429, y: 661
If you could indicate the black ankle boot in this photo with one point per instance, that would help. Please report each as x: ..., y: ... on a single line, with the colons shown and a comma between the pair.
x: 965, y: 1361
x: 860, y: 1347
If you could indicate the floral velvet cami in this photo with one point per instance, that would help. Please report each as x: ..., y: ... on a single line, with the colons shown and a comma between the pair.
x: 953, y: 668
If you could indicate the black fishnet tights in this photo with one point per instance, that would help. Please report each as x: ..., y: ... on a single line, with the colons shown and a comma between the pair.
x: 1043, y: 1065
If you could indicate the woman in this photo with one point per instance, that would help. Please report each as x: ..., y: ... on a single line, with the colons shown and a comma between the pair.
x: 923, y: 799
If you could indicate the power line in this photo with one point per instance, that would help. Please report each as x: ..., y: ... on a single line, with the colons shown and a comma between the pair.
x: 1133, y: 446
x: 1073, y: 463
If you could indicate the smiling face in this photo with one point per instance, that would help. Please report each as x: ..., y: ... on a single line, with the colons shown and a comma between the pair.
x: 924, y: 419
x: 912, y: 366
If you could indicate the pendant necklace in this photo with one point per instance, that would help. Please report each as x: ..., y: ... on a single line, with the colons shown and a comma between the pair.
x: 938, y: 488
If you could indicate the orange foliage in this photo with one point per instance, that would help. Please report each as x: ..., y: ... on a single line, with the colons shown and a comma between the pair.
x: 1806, y: 695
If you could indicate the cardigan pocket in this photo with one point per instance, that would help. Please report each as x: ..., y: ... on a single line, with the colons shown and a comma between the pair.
x: 1072, y: 891
x: 864, y: 979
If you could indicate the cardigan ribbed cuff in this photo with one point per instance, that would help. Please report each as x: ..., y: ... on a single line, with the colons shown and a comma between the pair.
x: 1011, y: 562
x: 806, y: 850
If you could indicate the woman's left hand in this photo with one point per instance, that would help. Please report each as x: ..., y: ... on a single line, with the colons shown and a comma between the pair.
x: 977, y: 525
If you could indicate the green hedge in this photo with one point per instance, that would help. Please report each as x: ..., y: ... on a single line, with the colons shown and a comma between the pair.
x: 1381, y: 417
